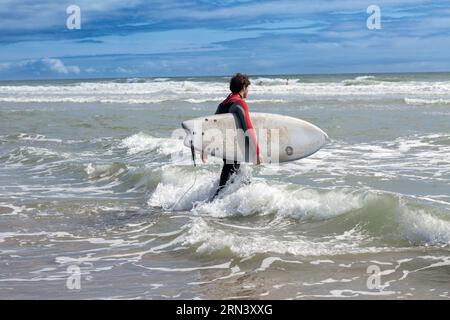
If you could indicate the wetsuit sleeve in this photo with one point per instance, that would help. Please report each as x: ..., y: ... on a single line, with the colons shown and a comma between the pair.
x: 241, y: 109
x: 219, y: 109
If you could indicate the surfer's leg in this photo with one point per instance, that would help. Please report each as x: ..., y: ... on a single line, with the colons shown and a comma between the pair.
x: 224, y: 176
x: 228, y: 170
x: 236, y: 168
x: 232, y: 170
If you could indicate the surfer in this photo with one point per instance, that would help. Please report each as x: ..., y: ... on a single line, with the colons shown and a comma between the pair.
x: 236, y: 104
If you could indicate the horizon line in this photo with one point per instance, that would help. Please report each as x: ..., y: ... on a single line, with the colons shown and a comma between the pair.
x: 229, y: 75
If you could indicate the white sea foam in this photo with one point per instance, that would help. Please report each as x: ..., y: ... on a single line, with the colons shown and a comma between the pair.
x: 270, y: 90
x: 361, y: 80
x: 11, y: 209
x: 36, y: 137
x: 142, y: 142
x: 192, y: 190
x: 19, y: 235
x: 208, y: 239
x: 34, y: 154
x: 200, y: 100
x: 180, y: 190
x: 387, y: 160
x: 418, y: 101
x: 267, y: 262
x: 105, y: 170
x: 422, y: 227
x: 262, y: 81
x: 260, y: 197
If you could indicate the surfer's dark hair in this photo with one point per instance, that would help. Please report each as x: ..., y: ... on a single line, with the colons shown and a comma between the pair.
x: 239, y: 82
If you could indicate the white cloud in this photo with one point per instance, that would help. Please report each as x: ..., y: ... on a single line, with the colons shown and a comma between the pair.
x: 29, y: 15
x: 39, y: 66
x: 90, y: 70
x: 58, y: 66
x: 4, y: 66
x: 124, y: 70
x: 279, y: 8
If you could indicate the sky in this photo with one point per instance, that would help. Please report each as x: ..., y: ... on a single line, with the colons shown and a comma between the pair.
x: 160, y: 38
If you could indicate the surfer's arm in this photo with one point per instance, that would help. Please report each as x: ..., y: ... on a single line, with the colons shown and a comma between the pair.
x: 250, y: 129
x: 203, y: 156
x: 241, y: 109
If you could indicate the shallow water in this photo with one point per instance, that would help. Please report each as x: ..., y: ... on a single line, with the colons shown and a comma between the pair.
x: 90, y: 178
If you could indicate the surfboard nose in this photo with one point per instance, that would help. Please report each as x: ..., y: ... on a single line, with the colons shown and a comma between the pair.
x: 326, y: 137
x: 323, y: 136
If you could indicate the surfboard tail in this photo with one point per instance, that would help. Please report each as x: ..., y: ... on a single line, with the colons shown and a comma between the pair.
x: 188, y: 138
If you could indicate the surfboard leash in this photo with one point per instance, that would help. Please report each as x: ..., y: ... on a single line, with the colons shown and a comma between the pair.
x: 195, y: 177
x: 193, y: 152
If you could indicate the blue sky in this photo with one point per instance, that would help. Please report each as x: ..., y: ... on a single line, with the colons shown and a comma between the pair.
x: 136, y: 38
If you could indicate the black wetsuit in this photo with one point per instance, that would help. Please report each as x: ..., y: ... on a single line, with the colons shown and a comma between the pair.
x: 234, y: 103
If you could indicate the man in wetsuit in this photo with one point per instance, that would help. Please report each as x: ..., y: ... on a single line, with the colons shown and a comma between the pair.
x: 235, y: 103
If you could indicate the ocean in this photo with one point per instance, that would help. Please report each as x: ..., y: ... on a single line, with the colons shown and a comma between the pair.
x: 99, y: 201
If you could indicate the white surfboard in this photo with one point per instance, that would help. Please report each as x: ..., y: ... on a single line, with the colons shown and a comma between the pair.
x: 281, y: 138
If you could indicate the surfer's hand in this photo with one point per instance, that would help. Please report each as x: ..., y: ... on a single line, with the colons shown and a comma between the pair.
x: 204, y: 157
x: 259, y: 160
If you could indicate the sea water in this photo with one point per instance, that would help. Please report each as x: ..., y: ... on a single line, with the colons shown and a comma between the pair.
x: 93, y: 191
